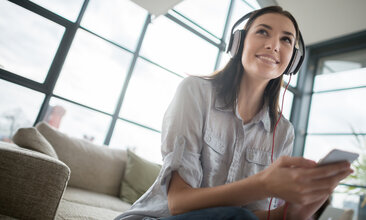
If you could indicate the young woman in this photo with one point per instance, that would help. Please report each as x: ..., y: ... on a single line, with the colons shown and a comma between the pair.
x: 217, y: 140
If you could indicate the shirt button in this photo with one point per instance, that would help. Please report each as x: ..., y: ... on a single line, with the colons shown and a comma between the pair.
x: 208, y: 138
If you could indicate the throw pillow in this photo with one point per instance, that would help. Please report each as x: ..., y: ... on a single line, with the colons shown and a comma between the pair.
x: 140, y: 174
x: 31, y: 139
x: 93, y: 167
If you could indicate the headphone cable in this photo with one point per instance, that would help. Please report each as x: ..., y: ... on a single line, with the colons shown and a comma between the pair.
x: 273, y: 145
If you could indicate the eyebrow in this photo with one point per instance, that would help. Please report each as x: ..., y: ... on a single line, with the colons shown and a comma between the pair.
x: 270, y: 28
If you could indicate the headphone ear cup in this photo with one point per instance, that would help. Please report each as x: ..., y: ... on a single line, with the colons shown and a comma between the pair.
x: 237, y: 41
x: 294, y: 64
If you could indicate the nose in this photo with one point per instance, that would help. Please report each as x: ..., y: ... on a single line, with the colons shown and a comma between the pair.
x: 272, y: 44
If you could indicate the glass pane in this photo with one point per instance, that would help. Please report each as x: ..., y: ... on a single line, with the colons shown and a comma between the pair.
x: 77, y: 121
x: 240, y: 8
x: 338, y: 112
x: 224, y: 59
x: 253, y: 3
x: 343, y: 199
x: 209, y: 14
x: 341, y: 71
x: 142, y: 141
x: 317, y: 146
x: 116, y: 20
x: 28, y: 42
x: 154, y: 88
x: 68, y: 9
x: 19, y: 107
x: 94, y: 72
x: 287, y: 104
x: 177, y: 49
x: 293, y: 82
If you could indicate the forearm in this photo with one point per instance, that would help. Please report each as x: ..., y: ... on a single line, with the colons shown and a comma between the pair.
x: 185, y: 198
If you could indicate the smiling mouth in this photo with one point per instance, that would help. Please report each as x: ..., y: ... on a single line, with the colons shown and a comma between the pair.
x: 267, y: 59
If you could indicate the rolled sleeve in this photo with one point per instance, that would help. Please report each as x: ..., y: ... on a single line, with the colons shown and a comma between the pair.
x: 182, y: 134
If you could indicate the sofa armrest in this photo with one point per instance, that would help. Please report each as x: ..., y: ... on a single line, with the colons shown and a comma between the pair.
x: 31, y: 183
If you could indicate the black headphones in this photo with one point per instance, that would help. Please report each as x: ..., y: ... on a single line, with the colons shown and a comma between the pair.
x: 237, y: 42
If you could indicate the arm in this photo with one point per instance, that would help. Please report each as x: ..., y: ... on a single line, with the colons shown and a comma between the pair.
x: 183, y: 198
x: 296, y: 180
x: 31, y: 183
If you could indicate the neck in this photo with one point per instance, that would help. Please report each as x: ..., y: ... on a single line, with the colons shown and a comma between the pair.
x: 250, y: 98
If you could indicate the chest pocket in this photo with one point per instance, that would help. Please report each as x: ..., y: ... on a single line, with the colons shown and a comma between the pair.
x: 213, y: 152
x: 256, y: 161
x: 215, y: 143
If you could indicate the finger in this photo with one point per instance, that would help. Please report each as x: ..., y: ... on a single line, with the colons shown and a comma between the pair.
x: 326, y: 183
x: 286, y: 161
x: 327, y: 170
x: 312, y: 197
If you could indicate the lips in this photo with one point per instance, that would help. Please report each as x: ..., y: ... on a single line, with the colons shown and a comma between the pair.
x: 267, y: 58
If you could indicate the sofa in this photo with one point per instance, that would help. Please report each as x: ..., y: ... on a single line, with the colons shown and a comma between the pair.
x: 46, y: 174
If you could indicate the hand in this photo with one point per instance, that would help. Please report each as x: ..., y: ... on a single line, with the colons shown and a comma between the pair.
x: 301, y: 181
x: 302, y: 212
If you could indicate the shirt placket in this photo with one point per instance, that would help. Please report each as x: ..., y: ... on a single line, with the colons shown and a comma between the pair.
x: 238, y: 150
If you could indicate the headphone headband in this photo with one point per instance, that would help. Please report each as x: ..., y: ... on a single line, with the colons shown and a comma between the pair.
x: 236, y: 45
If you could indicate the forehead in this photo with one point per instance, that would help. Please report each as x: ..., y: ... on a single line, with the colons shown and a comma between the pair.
x: 276, y: 21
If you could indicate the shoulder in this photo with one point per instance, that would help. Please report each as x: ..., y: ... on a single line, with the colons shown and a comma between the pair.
x: 286, y: 126
x: 195, y: 82
x: 194, y: 85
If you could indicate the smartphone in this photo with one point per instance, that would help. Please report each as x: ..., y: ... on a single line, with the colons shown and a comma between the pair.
x: 337, y: 155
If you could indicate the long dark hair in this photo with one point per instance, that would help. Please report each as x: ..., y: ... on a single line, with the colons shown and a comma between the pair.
x: 227, y: 80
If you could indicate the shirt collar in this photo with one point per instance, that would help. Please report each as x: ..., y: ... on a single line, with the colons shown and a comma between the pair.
x: 261, y: 117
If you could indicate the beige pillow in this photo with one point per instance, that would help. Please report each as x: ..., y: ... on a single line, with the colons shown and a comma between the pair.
x: 93, y: 167
x: 140, y: 174
x: 30, y: 138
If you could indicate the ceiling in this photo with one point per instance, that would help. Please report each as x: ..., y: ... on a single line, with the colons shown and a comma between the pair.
x: 319, y: 20
x: 322, y: 20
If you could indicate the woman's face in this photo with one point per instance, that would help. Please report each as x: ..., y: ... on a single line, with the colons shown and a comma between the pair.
x: 268, y: 46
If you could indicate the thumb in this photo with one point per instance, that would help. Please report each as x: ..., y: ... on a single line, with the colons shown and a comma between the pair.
x: 286, y: 161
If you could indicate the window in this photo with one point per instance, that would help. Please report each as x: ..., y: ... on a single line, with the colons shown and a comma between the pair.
x: 19, y: 108
x: 94, y: 72
x: 28, y: 42
x: 287, y: 104
x: 338, y: 108
x: 101, y: 75
x: 341, y: 71
x: 142, y: 141
x: 68, y: 9
x: 209, y: 14
x: 149, y: 93
x: 116, y: 20
x: 177, y: 49
x: 77, y: 121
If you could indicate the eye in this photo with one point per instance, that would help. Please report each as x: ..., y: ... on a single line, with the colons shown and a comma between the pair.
x: 287, y: 40
x: 262, y: 32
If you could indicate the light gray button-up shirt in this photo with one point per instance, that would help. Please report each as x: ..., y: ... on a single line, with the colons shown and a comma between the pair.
x: 209, y: 145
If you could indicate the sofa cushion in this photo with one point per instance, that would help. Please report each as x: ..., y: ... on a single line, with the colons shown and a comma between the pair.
x: 93, y: 167
x: 140, y: 174
x: 94, y: 199
x: 30, y: 138
x: 77, y: 211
